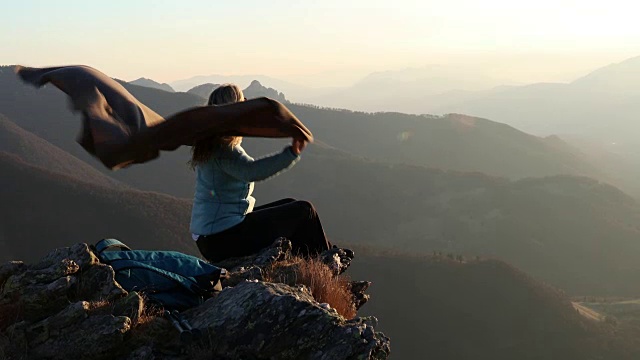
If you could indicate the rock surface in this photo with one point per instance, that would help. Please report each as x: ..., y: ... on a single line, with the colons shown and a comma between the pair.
x: 68, y: 306
x: 263, y: 320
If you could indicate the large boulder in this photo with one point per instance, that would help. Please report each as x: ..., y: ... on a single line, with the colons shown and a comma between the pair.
x: 260, y: 320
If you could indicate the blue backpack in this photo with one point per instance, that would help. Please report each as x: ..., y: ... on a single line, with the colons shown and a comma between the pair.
x: 170, y: 279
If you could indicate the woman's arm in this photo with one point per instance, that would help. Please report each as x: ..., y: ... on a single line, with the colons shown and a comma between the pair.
x: 243, y: 167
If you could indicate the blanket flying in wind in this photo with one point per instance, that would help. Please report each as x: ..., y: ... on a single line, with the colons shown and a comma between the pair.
x: 120, y: 130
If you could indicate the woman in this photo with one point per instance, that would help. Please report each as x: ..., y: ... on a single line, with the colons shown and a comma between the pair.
x: 224, y: 222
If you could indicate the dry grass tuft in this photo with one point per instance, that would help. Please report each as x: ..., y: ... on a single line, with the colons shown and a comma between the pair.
x: 148, y: 314
x: 325, y: 286
x: 105, y: 307
x: 100, y: 307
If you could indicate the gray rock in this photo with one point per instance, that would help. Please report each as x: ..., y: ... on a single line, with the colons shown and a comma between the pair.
x: 44, y: 275
x: 276, y: 321
x: 56, y: 325
x: 78, y: 253
x: 337, y: 259
x: 38, y: 300
x: 279, y: 250
x: 97, y: 282
x: 253, y: 266
x: 357, y: 289
x: 69, y: 306
x: 95, y: 338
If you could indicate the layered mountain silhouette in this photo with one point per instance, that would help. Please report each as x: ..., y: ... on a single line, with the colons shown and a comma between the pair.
x: 598, y: 111
x: 572, y: 232
x: 254, y: 90
x: 601, y: 105
x: 437, y: 308
x: 241, y: 80
x: 39, y: 152
x: 152, y: 84
x: 622, y: 77
x: 403, y: 90
x: 203, y: 90
x: 44, y: 209
x: 452, y: 142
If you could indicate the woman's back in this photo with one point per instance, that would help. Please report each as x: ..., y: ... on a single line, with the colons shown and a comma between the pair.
x: 224, y: 185
x: 224, y: 222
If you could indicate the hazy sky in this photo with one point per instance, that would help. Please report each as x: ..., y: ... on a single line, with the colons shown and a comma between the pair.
x: 320, y: 42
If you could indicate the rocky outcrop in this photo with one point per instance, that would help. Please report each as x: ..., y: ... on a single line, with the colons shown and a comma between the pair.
x: 253, y: 267
x: 255, y: 90
x: 263, y: 320
x: 68, y: 306
x: 152, y: 84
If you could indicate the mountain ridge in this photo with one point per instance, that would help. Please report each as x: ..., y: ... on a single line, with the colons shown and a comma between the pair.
x: 39, y: 152
x: 254, y: 90
x: 480, y: 309
x: 152, y: 84
x: 57, y: 209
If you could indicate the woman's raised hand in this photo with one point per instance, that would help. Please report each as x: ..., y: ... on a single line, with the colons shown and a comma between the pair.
x: 298, y: 145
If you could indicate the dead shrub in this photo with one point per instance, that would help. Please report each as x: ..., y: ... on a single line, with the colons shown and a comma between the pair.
x: 148, y: 314
x: 100, y: 307
x: 324, y: 285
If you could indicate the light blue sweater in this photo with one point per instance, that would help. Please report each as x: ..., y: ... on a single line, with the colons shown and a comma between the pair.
x: 224, y: 185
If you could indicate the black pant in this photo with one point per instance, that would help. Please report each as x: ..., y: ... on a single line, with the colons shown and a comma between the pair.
x: 294, y: 219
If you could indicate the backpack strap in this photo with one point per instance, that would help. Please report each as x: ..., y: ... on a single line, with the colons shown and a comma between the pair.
x: 106, y: 244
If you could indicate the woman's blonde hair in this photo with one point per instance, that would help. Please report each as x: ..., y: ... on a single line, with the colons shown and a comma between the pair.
x: 204, y: 149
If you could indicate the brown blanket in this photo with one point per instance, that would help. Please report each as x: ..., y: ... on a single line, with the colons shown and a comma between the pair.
x: 120, y: 130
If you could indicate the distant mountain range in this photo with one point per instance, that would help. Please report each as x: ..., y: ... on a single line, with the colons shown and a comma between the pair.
x: 244, y: 81
x: 451, y: 142
x: 39, y: 152
x: 601, y: 105
x: 254, y: 90
x: 152, y: 84
x: 398, y: 90
x: 596, y: 112
x: 378, y: 91
x: 455, y: 142
x: 203, y: 90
